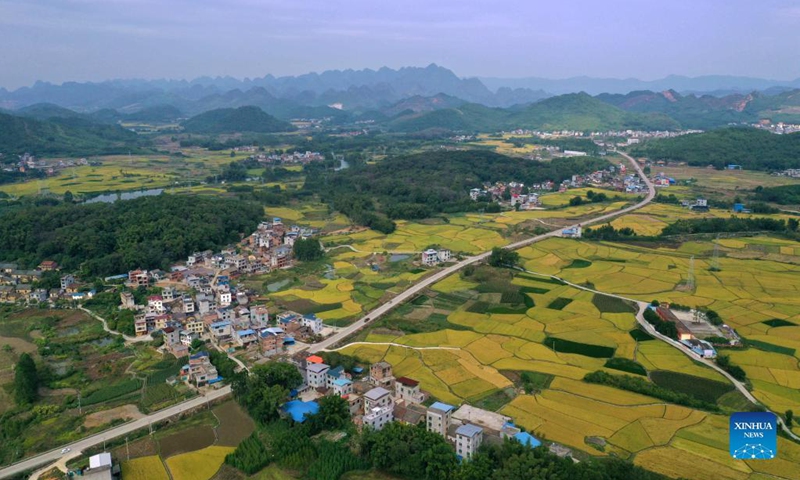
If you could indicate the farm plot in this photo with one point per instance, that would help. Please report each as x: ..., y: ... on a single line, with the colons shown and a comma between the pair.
x: 198, y: 465
x: 144, y: 468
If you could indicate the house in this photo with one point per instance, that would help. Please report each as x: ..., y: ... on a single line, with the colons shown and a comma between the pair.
x: 186, y: 337
x: 377, y: 397
x: 100, y: 468
x: 48, y: 266
x: 700, y: 347
x: 355, y: 403
x: 201, y: 371
x: 377, y: 417
x: 168, y: 294
x: 194, y: 325
x: 408, y: 390
x: 39, y: 295
x: 468, y: 438
x: 272, y: 340
x: 138, y: 278
x: 66, y: 281
x: 313, y: 322
x: 224, y: 297
x: 188, y: 303
x: 430, y: 257
x: 316, y: 375
x: 443, y: 255
x: 438, y: 418
x: 128, y: 302
x: 342, y: 386
x: 225, y: 314
x: 171, y: 336
x: 380, y: 375
x: 155, y: 303
x: 572, y: 232
x: 259, y: 316
x: 409, y: 413
x: 220, y: 330
x: 243, y: 314
x: 140, y: 325
x: 335, y: 374
x: 246, y: 337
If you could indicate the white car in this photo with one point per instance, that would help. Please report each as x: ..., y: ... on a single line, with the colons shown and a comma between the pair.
x: 64, y: 450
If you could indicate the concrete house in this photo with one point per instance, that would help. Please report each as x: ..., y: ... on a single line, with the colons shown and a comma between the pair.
x: 316, y: 375
x: 468, y: 438
x: 438, y: 418
x: 408, y: 389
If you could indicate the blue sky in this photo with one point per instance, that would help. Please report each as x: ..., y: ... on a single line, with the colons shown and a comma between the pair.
x: 61, y: 40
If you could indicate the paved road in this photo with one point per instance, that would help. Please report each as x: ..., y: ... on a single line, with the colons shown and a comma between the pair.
x: 98, y: 439
x: 426, y: 282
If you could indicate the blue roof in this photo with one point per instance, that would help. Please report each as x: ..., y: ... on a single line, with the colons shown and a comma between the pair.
x: 271, y: 331
x: 341, y: 382
x: 310, y: 316
x: 220, y: 324
x: 199, y: 355
x: 527, y: 439
x: 335, y: 372
x: 288, y: 340
x: 358, y: 369
x: 242, y: 333
x: 469, y: 430
x: 442, y: 406
x: 299, y: 409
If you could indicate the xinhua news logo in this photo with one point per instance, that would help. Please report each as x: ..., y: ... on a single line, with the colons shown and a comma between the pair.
x: 754, y: 436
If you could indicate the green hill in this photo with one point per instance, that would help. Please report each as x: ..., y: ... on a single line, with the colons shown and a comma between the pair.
x: 64, y: 136
x: 581, y: 111
x: 467, y: 117
x: 233, y: 120
x: 751, y: 148
x: 46, y: 111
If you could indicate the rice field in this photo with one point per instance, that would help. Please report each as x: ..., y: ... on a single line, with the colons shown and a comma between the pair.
x: 144, y: 468
x: 198, y: 465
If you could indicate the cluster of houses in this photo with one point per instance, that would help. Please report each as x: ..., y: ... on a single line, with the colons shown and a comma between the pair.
x: 790, y: 172
x: 685, y: 334
x: 381, y: 398
x: 16, y: 285
x: 301, y: 158
x: 526, y: 198
x: 29, y: 162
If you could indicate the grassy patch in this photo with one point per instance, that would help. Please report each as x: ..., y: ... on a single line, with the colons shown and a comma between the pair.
x: 496, y: 400
x: 535, y: 381
x: 567, y: 346
x: 700, y: 388
x: 559, y: 303
x: 607, y: 304
x: 420, y: 300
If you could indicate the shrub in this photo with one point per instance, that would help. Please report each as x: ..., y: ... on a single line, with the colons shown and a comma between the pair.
x: 626, y: 365
x: 568, y: 346
x: 559, y: 303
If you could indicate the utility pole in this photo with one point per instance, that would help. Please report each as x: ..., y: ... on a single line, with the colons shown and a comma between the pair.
x: 127, y: 449
x: 80, y: 411
x: 690, y: 280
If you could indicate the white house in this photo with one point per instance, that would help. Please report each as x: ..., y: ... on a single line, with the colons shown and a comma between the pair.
x: 377, y: 418
x: 342, y: 386
x: 313, y: 322
x: 316, y: 375
x: 259, y: 316
x: 468, y: 438
x: 430, y: 257
x: 220, y: 329
x: 378, y: 397
x: 246, y: 337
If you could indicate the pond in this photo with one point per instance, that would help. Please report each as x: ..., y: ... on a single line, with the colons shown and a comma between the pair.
x: 113, y: 197
x: 103, y: 342
x: 342, y: 164
x: 330, y: 273
x: 274, y: 287
x: 398, y: 257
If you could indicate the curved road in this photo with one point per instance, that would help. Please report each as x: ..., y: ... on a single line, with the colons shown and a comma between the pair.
x: 128, y: 339
x: 418, y: 287
x: 98, y: 439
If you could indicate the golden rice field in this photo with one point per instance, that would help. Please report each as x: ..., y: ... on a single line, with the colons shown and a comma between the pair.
x: 144, y: 468
x: 198, y: 465
x: 651, y: 219
x: 759, y: 280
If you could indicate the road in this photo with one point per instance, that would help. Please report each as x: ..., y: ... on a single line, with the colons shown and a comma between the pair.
x: 116, y: 432
x: 426, y: 282
x: 144, y: 338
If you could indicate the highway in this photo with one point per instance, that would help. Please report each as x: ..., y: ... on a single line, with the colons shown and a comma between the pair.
x: 116, y: 432
x: 426, y: 282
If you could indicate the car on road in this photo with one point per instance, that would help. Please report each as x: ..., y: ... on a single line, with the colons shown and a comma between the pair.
x: 65, y: 450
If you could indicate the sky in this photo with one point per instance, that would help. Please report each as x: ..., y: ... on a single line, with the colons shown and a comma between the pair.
x: 93, y: 40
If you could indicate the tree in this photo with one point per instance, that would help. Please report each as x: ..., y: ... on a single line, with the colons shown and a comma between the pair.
x: 789, y: 416
x: 68, y: 197
x: 501, y: 257
x: 307, y: 249
x: 26, y: 381
x: 197, y: 344
x: 274, y: 373
x: 792, y: 224
x: 334, y: 413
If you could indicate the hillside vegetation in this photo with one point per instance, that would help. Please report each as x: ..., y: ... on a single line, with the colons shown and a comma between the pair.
x: 420, y: 185
x: 233, y: 120
x: 106, y: 239
x: 68, y: 136
x: 751, y: 148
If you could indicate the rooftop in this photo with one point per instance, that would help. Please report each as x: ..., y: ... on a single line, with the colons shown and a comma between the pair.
x: 441, y: 407
x: 407, y: 381
x: 341, y: 382
x: 469, y: 430
x: 317, y: 367
x: 376, y: 393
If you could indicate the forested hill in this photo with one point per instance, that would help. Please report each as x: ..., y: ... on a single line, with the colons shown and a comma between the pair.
x: 107, y: 239
x: 234, y: 120
x: 751, y: 148
x: 71, y: 136
x: 421, y: 185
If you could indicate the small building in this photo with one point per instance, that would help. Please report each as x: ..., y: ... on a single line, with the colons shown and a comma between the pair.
x: 572, y: 232
x: 101, y: 467
x: 700, y: 347
x: 246, y: 337
x: 66, y: 281
x: 377, y: 397
x: 438, y: 418
x: 259, y: 316
x: 127, y: 300
x: 468, y: 438
x: 342, y: 386
x: 272, y: 341
x: 408, y: 389
x: 316, y: 375
x: 377, y: 417
x: 171, y: 336
x: 313, y: 322
x: 48, y: 266
x: 220, y: 329
x: 430, y: 257
x: 380, y: 375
